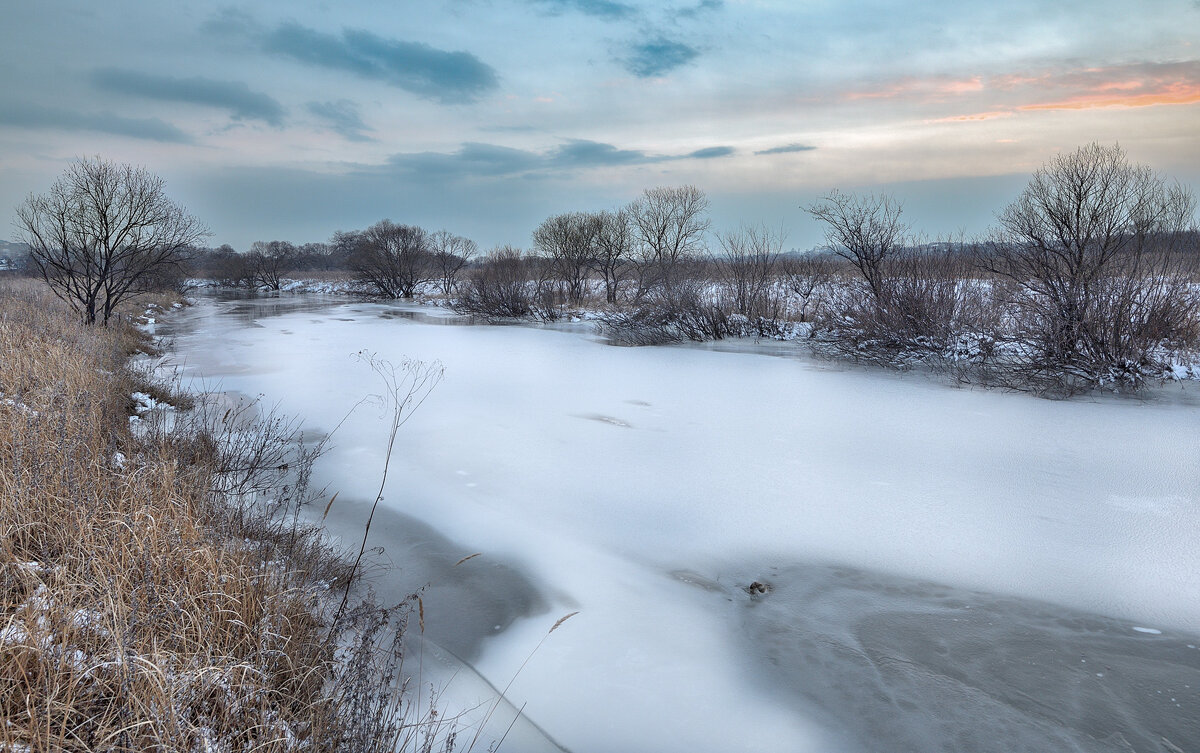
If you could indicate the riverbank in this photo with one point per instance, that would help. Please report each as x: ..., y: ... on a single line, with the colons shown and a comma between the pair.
x: 151, y: 595
x: 816, y: 312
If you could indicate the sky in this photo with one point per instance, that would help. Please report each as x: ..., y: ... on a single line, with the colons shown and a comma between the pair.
x: 291, y: 120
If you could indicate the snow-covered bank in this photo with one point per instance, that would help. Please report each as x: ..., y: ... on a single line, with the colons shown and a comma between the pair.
x: 604, y: 472
x: 1000, y: 349
x: 290, y: 285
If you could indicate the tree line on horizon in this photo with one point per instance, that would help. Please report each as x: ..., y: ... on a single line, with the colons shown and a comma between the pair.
x: 1091, y: 277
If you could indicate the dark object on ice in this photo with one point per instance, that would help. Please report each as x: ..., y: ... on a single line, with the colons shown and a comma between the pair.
x: 757, y: 588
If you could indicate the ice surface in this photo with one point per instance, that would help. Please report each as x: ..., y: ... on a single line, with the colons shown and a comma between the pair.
x: 906, y: 666
x: 600, y: 474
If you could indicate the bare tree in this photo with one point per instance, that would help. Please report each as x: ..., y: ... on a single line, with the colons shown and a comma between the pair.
x: 907, y: 308
x: 394, y: 259
x: 747, y: 267
x: 225, y: 265
x: 1089, y: 249
x: 314, y: 257
x: 612, y: 248
x: 864, y: 230
x: 270, y: 261
x: 342, y: 245
x: 809, y: 279
x: 102, y: 232
x: 669, y: 224
x: 450, y: 254
x: 568, y: 241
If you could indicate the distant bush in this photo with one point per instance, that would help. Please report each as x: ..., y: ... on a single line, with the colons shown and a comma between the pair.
x: 681, y: 310
x: 749, y: 276
x: 917, y: 311
x: 508, y: 284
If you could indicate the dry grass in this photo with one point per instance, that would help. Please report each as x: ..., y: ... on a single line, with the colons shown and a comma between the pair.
x: 136, y: 611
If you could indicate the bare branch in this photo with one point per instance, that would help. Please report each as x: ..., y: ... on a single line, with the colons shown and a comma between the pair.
x: 103, y: 232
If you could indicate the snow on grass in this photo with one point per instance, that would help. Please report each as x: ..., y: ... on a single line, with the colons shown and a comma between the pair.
x: 146, y: 403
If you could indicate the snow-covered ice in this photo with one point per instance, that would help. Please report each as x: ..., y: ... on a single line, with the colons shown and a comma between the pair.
x: 648, y: 487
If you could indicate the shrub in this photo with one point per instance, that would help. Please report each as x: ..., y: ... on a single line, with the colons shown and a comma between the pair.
x: 1091, y: 254
x: 674, y: 312
x: 499, y: 288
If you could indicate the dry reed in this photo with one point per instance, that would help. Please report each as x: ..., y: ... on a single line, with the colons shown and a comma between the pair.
x: 137, y: 612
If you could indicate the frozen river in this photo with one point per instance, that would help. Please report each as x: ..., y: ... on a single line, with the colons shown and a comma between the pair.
x: 945, y: 568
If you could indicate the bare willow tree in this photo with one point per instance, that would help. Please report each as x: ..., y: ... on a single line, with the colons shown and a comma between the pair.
x: 103, y: 232
x: 451, y: 253
x: 1090, y: 251
x: 393, y: 259
x: 270, y: 261
x: 669, y: 224
x: 225, y: 265
x: 613, y: 246
x: 748, y: 268
x: 864, y: 230
x: 568, y: 241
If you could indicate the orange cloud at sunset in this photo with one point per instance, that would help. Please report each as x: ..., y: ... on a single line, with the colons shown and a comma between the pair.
x: 1002, y: 95
x: 1178, y: 93
x: 1130, y: 85
x: 927, y: 89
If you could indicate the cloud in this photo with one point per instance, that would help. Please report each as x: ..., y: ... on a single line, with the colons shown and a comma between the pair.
x: 928, y: 89
x: 472, y: 159
x: 1175, y: 95
x: 1067, y: 86
x: 787, y: 149
x: 975, y: 117
x: 659, y: 56
x: 600, y: 8
x: 582, y: 153
x: 712, y: 152
x: 32, y: 116
x: 704, y: 6
x: 614, y: 10
x: 509, y: 128
x: 342, y: 117
x: 1130, y: 85
x: 234, y: 96
x: 230, y: 22
x: 481, y: 160
x: 447, y: 77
